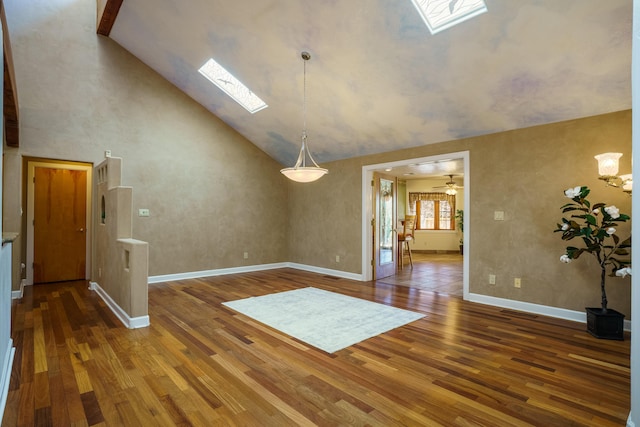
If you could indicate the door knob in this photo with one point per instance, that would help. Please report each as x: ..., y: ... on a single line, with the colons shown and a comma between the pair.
x: 81, y: 230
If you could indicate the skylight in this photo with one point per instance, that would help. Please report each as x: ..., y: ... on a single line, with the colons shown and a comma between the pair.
x: 233, y: 87
x: 442, y: 14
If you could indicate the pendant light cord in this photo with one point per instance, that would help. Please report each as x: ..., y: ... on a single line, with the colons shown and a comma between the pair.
x: 304, y: 93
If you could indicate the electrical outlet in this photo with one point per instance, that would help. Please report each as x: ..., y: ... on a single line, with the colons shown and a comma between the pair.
x: 337, y: 258
x: 498, y: 215
x: 492, y: 279
x: 143, y: 212
x: 516, y: 282
x: 246, y: 255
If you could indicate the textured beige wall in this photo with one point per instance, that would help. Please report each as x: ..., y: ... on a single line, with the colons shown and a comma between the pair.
x: 325, y: 219
x: 212, y: 195
x: 522, y: 173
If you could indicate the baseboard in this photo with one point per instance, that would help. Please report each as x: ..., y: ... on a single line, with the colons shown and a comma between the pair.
x: 326, y: 271
x: 5, y: 376
x: 435, y: 251
x: 544, y: 310
x: 20, y: 292
x: 250, y: 269
x: 129, y: 322
x: 216, y: 272
x: 630, y: 422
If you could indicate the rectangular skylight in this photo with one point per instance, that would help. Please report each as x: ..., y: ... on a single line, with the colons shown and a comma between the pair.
x: 233, y: 87
x: 442, y: 14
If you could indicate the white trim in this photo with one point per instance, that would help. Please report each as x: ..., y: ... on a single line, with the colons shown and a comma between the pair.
x: 367, y: 214
x: 216, y: 272
x: 250, y: 269
x: 129, y: 322
x: 20, y: 292
x: 630, y: 422
x: 5, y: 376
x: 528, y: 307
x: 327, y: 271
x: 54, y: 164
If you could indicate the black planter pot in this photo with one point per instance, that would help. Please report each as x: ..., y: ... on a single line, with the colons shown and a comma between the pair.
x: 608, y: 325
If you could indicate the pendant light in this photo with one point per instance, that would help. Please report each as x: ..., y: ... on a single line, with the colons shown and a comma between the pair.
x: 300, y: 172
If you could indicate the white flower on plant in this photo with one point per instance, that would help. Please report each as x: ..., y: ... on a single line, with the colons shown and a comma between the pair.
x: 572, y: 192
x: 611, y: 231
x: 595, y: 211
x: 565, y: 258
x: 565, y: 227
x: 612, y: 211
x: 623, y: 272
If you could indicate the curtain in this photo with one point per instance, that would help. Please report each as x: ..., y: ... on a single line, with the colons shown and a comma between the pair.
x: 414, y: 197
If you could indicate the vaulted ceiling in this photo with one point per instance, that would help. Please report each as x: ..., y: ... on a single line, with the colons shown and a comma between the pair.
x: 377, y: 79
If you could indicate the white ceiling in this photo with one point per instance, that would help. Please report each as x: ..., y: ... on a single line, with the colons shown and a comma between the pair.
x: 378, y: 80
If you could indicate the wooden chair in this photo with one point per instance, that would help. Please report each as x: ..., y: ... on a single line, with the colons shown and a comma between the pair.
x: 405, y: 237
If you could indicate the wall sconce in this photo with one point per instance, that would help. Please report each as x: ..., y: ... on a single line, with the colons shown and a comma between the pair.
x: 608, y: 171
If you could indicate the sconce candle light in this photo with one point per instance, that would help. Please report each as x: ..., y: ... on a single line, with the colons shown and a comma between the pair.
x: 608, y: 171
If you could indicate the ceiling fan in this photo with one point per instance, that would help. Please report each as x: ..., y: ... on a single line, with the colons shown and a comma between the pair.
x: 450, y: 185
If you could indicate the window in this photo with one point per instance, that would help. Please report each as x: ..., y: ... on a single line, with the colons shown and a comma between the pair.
x: 434, y: 211
x: 233, y: 87
x: 442, y: 14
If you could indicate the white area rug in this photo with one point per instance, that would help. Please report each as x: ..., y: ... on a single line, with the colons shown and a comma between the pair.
x: 323, y: 319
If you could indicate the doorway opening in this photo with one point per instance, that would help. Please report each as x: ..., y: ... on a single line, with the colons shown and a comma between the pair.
x: 368, y: 198
x: 62, y: 186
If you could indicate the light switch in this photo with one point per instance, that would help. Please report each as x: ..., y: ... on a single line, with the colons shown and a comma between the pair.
x: 498, y: 215
x: 143, y: 212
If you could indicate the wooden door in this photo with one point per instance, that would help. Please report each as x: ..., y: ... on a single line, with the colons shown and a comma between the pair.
x: 60, y: 203
x: 385, y: 240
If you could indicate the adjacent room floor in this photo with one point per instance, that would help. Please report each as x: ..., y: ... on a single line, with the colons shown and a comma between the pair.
x: 441, y: 273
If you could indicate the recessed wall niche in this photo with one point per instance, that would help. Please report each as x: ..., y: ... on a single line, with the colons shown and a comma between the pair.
x: 103, y: 210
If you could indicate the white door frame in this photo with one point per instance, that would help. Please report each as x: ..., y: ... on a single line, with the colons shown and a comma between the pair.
x: 367, y: 211
x: 53, y: 164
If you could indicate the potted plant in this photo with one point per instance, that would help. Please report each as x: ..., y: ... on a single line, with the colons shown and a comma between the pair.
x: 595, y: 226
x: 460, y: 225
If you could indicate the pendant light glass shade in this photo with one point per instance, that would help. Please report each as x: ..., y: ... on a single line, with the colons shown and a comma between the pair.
x: 304, y: 174
x: 300, y: 172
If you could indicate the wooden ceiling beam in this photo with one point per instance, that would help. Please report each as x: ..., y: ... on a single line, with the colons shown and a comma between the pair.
x: 107, y: 14
x: 10, y: 95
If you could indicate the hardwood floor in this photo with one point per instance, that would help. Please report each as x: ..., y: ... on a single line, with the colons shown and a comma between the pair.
x: 200, y: 363
x: 441, y: 273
